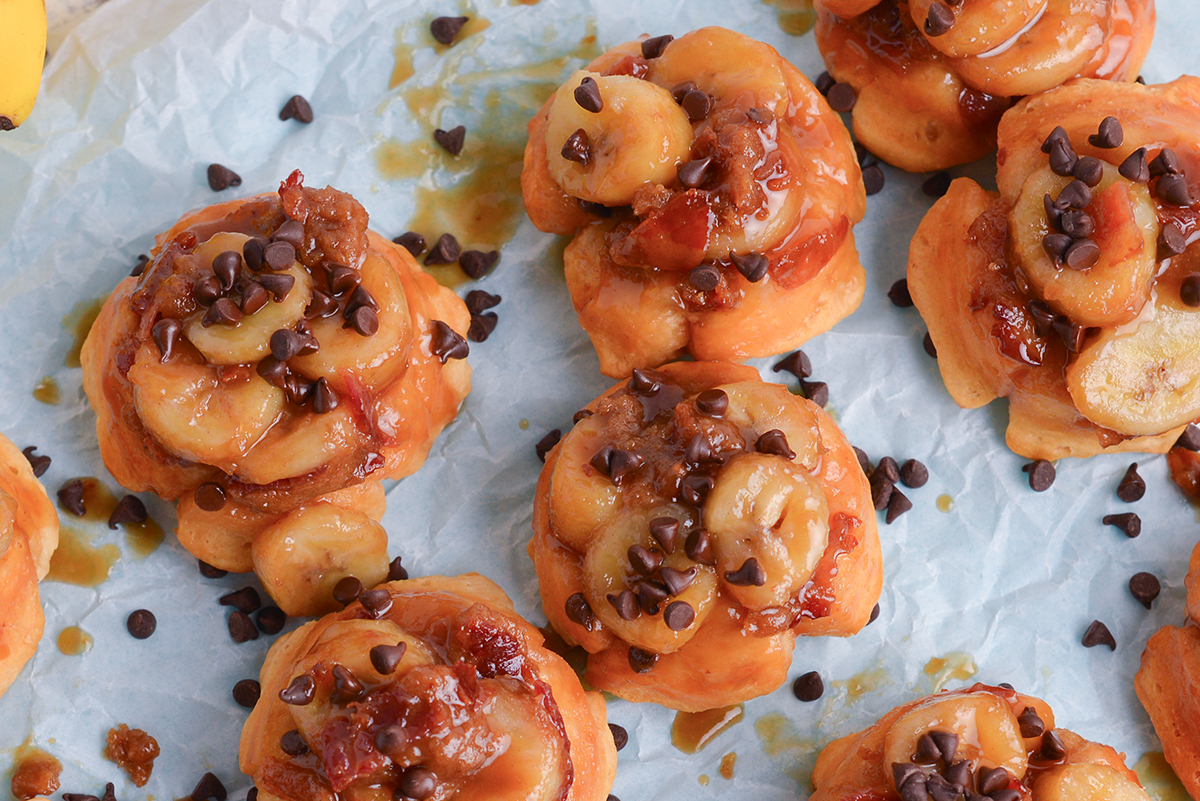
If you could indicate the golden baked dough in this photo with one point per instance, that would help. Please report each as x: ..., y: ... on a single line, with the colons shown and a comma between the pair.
x: 678, y: 542
x: 981, y: 741
x: 929, y: 97
x: 711, y: 200
x: 1097, y: 357
x: 432, y: 689
x: 28, y: 538
x: 327, y: 362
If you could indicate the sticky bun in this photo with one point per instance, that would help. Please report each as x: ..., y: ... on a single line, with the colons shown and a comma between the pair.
x: 429, y: 689
x: 273, y: 363
x: 1075, y: 290
x: 710, y: 193
x: 694, y: 522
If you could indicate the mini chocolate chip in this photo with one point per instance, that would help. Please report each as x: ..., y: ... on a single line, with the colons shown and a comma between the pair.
x: 291, y: 231
x: 1057, y: 135
x: 396, y: 570
x: 1031, y: 725
x: 1075, y: 195
x: 210, y: 572
x: 677, y: 581
x: 1173, y: 189
x: 1053, y: 748
x: 365, y: 321
x: 300, y: 691
x: 874, y: 614
x: 270, y: 620
x: 600, y: 459
x: 644, y: 560
x: 241, y: 627
x: 864, y: 461
x: 1041, y: 474
x: 129, y: 509
x: 796, y: 363
x: 221, y: 177
x: 386, y: 658
x: 774, y: 442
x: 1082, y: 255
x: 881, y: 490
x: 914, y: 474
x: 991, y: 780
x: 1132, y: 486
x: 873, y: 179
x: 1062, y: 158
x: 899, y: 294
x: 547, y: 442
x: 940, y: 19
x: 1188, y: 440
x: 65, y: 796
x: 824, y: 82
x: 704, y: 277
x: 285, y: 344
x: 652, y: 48
x: 390, y: 740
x: 842, y: 97
x: 411, y: 241
x: 937, y: 185
x: 143, y: 261
x: 1129, y: 523
x: 712, y: 403
x: 959, y: 775
x: 753, y: 266
x: 750, y: 574
x: 141, y: 623
x: 587, y: 95
x: 1145, y: 588
x: 70, y: 496
x: 698, y: 548
x: 947, y: 744
x: 479, y: 301
x: 1077, y: 224
x: 619, y: 735
x: 889, y: 467
x: 346, y: 686
x: 446, y: 343
x: 579, y: 611
x: 273, y: 371
x: 1171, y: 241
x: 650, y: 595
x: 898, y: 504
x: 927, y: 344
x: 1134, y: 167
x: 1056, y: 246
x: 1098, y: 634
x: 642, y: 383
x: 341, y: 279
x: 246, y: 693
x: 927, y: 750
x: 452, y: 140
x: 166, y: 333
x: 254, y: 296
x: 292, y: 744
x: 1108, y: 136
x: 1189, y: 291
x: 641, y: 661
x: 1166, y: 163
x: 223, y: 312
x: 209, y: 788
x: 246, y: 600
x: 816, y: 391
x: 692, y: 173
x: 665, y: 531
x: 281, y: 285
x: 902, y: 772
x: 418, y: 783
x: 697, y: 104
x: 679, y: 615
x: 252, y: 252
x: 622, y: 463
x: 626, y: 605
x: 445, y: 29
x: 698, y: 450
x: 808, y: 687
x: 347, y: 590
x: 40, y: 464
x: 1089, y: 170
x: 444, y: 251
x: 476, y: 264
x: 594, y: 209
x: 298, y: 109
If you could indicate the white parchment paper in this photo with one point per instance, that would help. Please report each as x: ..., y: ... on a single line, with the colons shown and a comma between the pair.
x: 143, y: 94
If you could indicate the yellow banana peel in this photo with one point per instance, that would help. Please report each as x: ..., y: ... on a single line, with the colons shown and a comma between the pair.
x: 22, y: 56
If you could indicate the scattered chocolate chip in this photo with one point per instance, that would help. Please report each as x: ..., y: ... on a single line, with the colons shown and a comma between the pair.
x: 166, y: 333
x: 1166, y: 163
x: 809, y: 687
x: 1062, y: 158
x: 386, y: 658
x: 796, y: 363
x: 939, y: 20
x: 1041, y: 475
x: 445, y: 29
x: 1056, y: 246
x: 816, y: 391
x: 70, y: 496
x: 1109, y: 134
x: 601, y: 458
x: 255, y: 296
x: 142, y: 262
x: 210, y: 572
x: 270, y: 620
x: 644, y: 560
x: 774, y: 442
x: 698, y: 548
x: 1145, y: 588
x: 365, y: 321
x: 898, y: 504
x: 129, y: 509
x: 1057, y: 135
x: 927, y: 344
x: 396, y: 570
x: 291, y: 231
x: 41, y: 464
x: 959, y: 776
x: 842, y: 97
x: 1031, y: 725
x: 704, y: 277
x: 694, y: 488
x: 223, y: 312
x: 824, y: 82
x: 444, y: 251
x: 1189, y: 291
x: 653, y: 47
x: 446, y: 343
x: 298, y: 109
x: 246, y: 693
x: 914, y: 474
x: 677, y: 581
x: 1075, y: 195
x: 411, y: 241
x: 299, y: 692
x: 626, y: 605
x: 221, y: 177
x: 665, y: 531
x: 642, y: 383
x: 650, y: 595
x: 1173, y: 189
x: 390, y: 740
x: 587, y: 95
x: 1077, y: 225
x: 1098, y: 634
x: 273, y: 371
x: 418, y: 783
x: 698, y: 450
x: 209, y: 788
x: 1188, y: 440
x: 285, y: 344
x: 479, y: 301
x: 881, y: 490
x: 692, y: 173
x: 1132, y: 486
x: 1053, y: 748
x: 992, y: 780
x: 206, y: 291
x: 937, y: 185
x: 697, y: 104
x: 679, y: 615
x: 712, y: 403
x: 619, y: 735
x: 141, y: 623
x: 864, y: 461
x: 1129, y: 523
x: 452, y: 140
x: 873, y: 179
x: 1082, y: 255
x: 889, y: 467
x: 595, y: 209
x: 346, y: 686
x: 1134, y: 167
x: 579, y: 611
x: 1089, y: 170
x: 905, y: 772
x: 246, y: 600
x: 547, y: 442
x: 281, y: 285
x: 292, y: 744
x: 476, y: 264
x: 252, y: 252
x: 1171, y: 241
x: 241, y: 627
x: 347, y: 590
x: 341, y: 280
x: 927, y: 750
x: 622, y: 463
x: 899, y: 295
x: 642, y: 661
x: 750, y: 574
x: 874, y: 614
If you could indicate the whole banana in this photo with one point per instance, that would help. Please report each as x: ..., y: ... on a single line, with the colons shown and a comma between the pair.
x: 22, y: 56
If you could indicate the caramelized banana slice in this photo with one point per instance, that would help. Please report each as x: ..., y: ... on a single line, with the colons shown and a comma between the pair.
x: 534, y: 768
x: 639, y: 136
x: 979, y: 25
x: 987, y: 731
x: 1084, y: 782
x: 752, y: 406
x: 583, y: 500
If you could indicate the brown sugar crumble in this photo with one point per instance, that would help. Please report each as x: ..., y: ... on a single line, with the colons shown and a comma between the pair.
x: 134, y: 751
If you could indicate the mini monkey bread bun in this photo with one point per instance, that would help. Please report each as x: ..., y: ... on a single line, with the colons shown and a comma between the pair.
x: 273, y: 363
x: 933, y: 77
x: 428, y: 689
x: 694, y: 522
x: 980, y: 744
x: 28, y: 538
x: 1073, y: 291
x: 710, y: 193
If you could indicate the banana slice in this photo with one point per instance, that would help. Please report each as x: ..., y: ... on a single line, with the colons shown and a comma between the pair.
x: 248, y: 340
x: 769, y: 509
x: 534, y: 767
x: 638, y: 137
x: 377, y: 360
x: 581, y: 499
x: 301, y: 558
x: 756, y: 406
x: 1086, y: 782
x: 987, y: 730
x: 608, y: 572
x: 191, y: 413
x: 298, y: 445
x: 979, y: 26
x: 733, y: 68
x: 1145, y: 381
